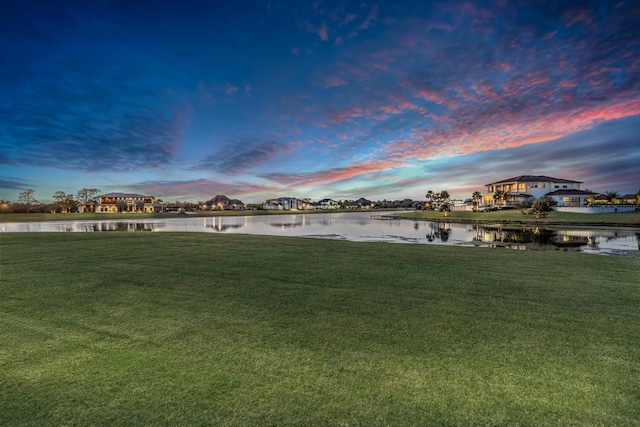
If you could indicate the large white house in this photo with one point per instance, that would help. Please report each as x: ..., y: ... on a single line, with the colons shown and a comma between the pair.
x: 565, y: 192
x: 286, y: 204
x: 122, y: 202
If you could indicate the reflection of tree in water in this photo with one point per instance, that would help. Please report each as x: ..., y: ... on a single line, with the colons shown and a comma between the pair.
x: 438, y: 231
x: 542, y: 236
x: 224, y: 227
x: 286, y: 224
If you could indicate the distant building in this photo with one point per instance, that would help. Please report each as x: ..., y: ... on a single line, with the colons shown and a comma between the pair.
x: 221, y: 202
x: 326, y: 204
x: 565, y: 192
x: 122, y: 202
x: 285, y: 204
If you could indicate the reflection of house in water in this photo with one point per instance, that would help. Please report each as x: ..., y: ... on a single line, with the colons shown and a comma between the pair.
x: 217, y: 224
x: 532, y: 238
x: 112, y: 226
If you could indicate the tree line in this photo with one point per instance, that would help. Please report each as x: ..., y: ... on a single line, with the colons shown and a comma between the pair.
x: 63, y: 202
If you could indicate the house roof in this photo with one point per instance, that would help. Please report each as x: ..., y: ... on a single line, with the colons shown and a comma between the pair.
x: 535, y: 178
x: 629, y: 196
x: 218, y: 198
x: 122, y: 195
x: 570, y: 192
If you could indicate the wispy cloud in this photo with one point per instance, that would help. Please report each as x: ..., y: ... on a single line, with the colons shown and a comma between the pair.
x: 240, y: 155
x: 14, y: 183
x: 330, y: 175
x: 80, y: 111
x: 194, y: 189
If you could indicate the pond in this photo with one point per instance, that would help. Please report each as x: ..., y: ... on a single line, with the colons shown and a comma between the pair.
x: 362, y: 227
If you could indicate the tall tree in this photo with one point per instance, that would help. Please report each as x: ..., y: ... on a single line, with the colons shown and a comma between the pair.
x: 499, y: 196
x: 444, y: 205
x: 476, y: 197
x: 429, y: 204
x: 87, y: 194
x: 64, y: 201
x: 27, y: 197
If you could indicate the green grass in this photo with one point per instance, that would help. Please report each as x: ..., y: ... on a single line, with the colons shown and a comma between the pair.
x: 514, y: 215
x: 199, y: 329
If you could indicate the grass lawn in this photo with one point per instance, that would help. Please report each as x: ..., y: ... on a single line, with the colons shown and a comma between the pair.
x: 234, y: 330
x: 514, y: 215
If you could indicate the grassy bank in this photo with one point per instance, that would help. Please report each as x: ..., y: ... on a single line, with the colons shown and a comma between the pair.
x: 200, y: 329
x: 506, y: 216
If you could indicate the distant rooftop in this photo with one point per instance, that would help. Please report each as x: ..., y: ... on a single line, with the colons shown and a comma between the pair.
x: 535, y: 178
x: 122, y: 195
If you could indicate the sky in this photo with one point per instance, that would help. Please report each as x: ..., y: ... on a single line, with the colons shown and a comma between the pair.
x: 383, y: 99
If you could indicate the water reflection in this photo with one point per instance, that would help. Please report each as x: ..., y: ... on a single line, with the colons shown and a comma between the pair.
x: 102, y: 226
x: 533, y: 238
x: 286, y: 224
x: 364, y: 228
x: 217, y: 224
x: 439, y: 231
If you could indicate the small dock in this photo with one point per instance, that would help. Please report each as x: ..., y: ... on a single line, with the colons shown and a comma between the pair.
x: 384, y: 217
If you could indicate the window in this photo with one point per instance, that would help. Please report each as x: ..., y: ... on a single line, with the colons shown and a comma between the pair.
x: 564, y: 186
x: 543, y: 185
x: 556, y: 186
x: 571, y: 201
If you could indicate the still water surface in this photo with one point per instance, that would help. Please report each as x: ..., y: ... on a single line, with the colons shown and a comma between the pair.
x: 361, y: 227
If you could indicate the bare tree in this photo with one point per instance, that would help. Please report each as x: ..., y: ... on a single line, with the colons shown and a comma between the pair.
x: 64, y: 201
x: 27, y: 197
x: 87, y: 194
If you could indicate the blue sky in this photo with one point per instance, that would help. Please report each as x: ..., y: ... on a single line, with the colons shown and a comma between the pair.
x: 339, y: 99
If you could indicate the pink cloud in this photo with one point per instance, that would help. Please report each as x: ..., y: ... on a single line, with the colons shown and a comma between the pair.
x: 574, y: 17
x: 199, y: 189
x: 333, y: 175
x: 349, y: 113
x: 323, y: 32
x: 230, y: 89
x: 505, y: 131
x: 334, y: 82
x: 372, y: 16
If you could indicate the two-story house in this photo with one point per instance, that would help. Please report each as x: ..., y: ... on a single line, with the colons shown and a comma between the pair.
x: 565, y: 192
x: 122, y: 202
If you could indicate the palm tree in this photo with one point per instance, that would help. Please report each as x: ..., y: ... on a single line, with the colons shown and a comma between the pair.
x: 611, y: 196
x: 499, y: 196
x: 429, y: 197
x: 476, y: 197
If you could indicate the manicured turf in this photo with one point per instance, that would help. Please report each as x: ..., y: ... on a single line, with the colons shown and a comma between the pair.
x: 200, y: 329
x: 513, y: 215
